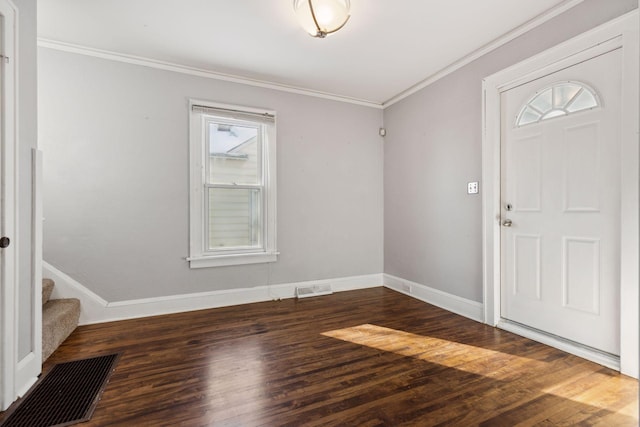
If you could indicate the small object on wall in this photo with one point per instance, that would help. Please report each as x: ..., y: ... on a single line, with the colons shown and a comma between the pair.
x: 382, y: 132
x: 472, y: 187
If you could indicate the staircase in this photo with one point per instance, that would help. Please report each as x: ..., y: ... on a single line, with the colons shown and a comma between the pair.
x: 59, y: 318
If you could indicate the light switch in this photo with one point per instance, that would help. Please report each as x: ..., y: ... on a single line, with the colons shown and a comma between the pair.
x: 472, y: 188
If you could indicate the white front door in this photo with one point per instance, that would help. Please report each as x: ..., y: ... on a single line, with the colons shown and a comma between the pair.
x: 561, y: 203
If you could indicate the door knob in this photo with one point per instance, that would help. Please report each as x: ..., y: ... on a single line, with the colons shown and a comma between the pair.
x: 4, y: 242
x: 507, y: 223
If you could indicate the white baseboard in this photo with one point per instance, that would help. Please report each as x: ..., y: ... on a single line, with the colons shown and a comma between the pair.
x: 462, y: 306
x: 23, y: 374
x: 95, y: 309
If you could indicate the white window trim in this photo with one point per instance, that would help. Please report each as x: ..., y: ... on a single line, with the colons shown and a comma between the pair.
x: 198, y: 257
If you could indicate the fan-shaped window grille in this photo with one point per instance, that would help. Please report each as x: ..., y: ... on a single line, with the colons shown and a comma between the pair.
x: 558, y: 100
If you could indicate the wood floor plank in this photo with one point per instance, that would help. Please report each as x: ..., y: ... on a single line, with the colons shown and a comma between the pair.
x: 372, y: 357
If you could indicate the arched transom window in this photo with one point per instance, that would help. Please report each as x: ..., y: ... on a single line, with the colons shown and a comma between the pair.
x: 560, y: 99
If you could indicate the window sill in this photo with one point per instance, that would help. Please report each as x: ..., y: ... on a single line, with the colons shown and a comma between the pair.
x: 231, y: 259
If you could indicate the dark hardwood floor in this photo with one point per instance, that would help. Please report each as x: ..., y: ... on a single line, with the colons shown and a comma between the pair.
x: 368, y: 358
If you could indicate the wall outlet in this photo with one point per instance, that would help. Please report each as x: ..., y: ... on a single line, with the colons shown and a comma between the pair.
x: 472, y: 187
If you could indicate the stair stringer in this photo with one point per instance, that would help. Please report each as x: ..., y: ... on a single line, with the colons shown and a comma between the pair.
x: 93, y: 306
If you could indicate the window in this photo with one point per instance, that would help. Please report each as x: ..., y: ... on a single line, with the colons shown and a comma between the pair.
x: 558, y: 100
x: 233, y: 185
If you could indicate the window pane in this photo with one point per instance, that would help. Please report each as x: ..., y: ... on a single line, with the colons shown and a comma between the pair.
x: 528, y: 116
x: 234, y: 218
x: 542, y: 102
x: 563, y: 93
x: 553, y: 113
x: 234, y: 154
x: 583, y: 101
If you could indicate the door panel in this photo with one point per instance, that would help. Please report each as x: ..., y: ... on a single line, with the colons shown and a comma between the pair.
x: 580, y: 156
x: 527, y: 186
x: 560, y: 188
x: 581, y: 274
x: 526, y: 274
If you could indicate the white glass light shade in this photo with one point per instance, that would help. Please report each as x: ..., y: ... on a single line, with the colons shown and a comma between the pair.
x: 322, y: 17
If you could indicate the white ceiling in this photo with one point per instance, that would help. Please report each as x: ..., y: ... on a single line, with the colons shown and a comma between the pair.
x: 387, y: 46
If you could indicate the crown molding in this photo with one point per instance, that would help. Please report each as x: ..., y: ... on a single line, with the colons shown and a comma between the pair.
x: 518, y: 31
x: 198, y: 72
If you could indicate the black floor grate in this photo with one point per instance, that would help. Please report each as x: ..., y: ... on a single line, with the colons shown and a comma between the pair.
x: 66, y: 395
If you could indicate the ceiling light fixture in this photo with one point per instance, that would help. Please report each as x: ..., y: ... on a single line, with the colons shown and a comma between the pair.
x: 322, y: 17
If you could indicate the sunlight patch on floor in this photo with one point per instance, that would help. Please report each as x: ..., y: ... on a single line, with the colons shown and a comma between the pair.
x: 477, y: 360
x: 468, y: 358
x: 596, y: 391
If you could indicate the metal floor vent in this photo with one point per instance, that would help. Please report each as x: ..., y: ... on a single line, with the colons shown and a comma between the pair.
x: 66, y: 395
x: 313, y: 291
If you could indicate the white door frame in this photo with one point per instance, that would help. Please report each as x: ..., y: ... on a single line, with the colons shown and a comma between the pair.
x: 18, y: 371
x: 621, y: 33
x: 8, y: 101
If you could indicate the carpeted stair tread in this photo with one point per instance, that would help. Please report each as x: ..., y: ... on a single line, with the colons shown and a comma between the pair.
x: 47, y: 289
x: 59, y: 318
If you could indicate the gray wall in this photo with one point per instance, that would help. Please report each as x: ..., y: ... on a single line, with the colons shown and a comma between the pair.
x: 432, y: 228
x: 115, y: 142
x: 27, y: 140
